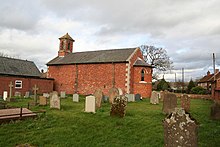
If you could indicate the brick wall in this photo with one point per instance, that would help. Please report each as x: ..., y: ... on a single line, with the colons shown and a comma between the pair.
x: 45, y: 85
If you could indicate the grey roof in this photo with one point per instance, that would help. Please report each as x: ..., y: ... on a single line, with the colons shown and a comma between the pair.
x: 102, y: 56
x: 141, y: 62
x: 17, y: 67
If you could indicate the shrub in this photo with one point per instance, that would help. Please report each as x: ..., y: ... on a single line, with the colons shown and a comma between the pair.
x: 198, y: 90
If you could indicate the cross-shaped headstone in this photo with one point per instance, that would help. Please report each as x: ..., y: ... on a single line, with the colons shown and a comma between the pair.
x: 35, y: 88
x: 10, y: 89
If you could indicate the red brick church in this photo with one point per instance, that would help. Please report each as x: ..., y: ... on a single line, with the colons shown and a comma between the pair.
x: 84, y: 72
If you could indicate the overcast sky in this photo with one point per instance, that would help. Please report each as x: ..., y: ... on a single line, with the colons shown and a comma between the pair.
x: 188, y: 30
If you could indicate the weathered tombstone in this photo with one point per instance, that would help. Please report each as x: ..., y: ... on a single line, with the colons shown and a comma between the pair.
x: 105, y: 98
x: 113, y: 92
x: 185, y: 102
x: 35, y: 89
x: 62, y: 94
x: 27, y: 94
x: 90, y: 104
x: 154, y: 98
x: 215, y: 111
x: 75, y: 97
x: 5, y: 95
x: 162, y: 94
x: 120, y: 92
x: 54, y: 100
x: 137, y: 97
x: 42, y: 100
x: 180, y: 130
x: 10, y: 90
x: 130, y: 97
x: 17, y: 94
x: 98, y: 97
x: 118, y: 106
x: 47, y: 95
x: 169, y: 103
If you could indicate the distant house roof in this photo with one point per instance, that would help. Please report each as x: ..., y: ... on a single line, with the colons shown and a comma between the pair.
x: 205, y: 79
x: 17, y: 67
x: 102, y: 56
x: 141, y: 62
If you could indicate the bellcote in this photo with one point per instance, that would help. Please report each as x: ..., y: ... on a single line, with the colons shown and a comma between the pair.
x: 66, y: 45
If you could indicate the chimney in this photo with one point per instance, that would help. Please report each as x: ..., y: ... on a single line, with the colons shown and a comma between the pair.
x: 216, y: 71
x: 208, y: 73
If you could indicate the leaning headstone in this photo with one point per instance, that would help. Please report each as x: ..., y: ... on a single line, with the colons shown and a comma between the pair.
x: 27, y: 94
x: 120, y: 92
x: 130, y: 97
x: 75, y: 97
x: 62, y: 94
x: 98, y: 97
x: 90, y: 104
x: 185, y: 102
x: 5, y: 95
x: 137, y: 97
x: 55, y: 100
x: 42, y: 100
x: 154, y: 98
x: 215, y: 111
x: 17, y: 94
x: 169, y: 103
x: 113, y: 92
x: 118, y: 106
x: 180, y: 130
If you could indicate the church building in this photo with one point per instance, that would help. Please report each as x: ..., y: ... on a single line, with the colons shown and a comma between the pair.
x: 84, y: 72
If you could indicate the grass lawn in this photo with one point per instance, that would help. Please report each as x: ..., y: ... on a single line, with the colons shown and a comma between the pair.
x: 70, y: 126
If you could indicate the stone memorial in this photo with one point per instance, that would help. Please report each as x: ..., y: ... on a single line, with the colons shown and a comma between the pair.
x: 169, y: 103
x: 75, y: 97
x: 120, y: 92
x: 90, y: 104
x: 98, y: 97
x: 5, y: 95
x: 63, y: 94
x: 180, y: 130
x: 130, y: 97
x: 113, y: 92
x: 35, y: 89
x: 154, y: 98
x: 162, y: 94
x: 137, y: 97
x: 27, y: 94
x: 215, y: 111
x: 17, y: 94
x: 55, y: 100
x: 47, y: 95
x: 118, y: 106
x: 105, y: 98
x: 42, y: 100
x: 185, y: 102
x: 10, y: 90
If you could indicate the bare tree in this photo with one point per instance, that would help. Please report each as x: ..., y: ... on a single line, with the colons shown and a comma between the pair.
x: 158, y: 58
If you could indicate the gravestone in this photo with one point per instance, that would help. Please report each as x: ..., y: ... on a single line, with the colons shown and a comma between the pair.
x: 113, y: 92
x: 137, y: 97
x: 17, y: 94
x: 5, y: 95
x: 75, y: 97
x: 180, y: 130
x: 47, y: 95
x: 27, y: 94
x: 120, y: 92
x: 185, y: 102
x: 118, y: 106
x: 90, y: 104
x: 215, y: 111
x: 105, y: 98
x: 98, y: 97
x: 35, y: 89
x: 62, y: 94
x: 10, y: 90
x: 130, y: 97
x: 162, y: 94
x: 42, y: 100
x: 54, y: 100
x: 154, y: 98
x: 169, y: 103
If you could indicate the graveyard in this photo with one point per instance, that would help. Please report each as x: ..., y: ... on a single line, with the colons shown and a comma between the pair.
x: 70, y: 125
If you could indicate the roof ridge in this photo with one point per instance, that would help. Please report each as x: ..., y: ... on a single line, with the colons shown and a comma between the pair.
x: 11, y: 58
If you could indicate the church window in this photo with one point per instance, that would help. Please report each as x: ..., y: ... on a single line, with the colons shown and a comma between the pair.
x: 68, y: 46
x: 142, y: 75
x: 18, y: 84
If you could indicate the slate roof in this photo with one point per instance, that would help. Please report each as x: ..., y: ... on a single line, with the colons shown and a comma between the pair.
x: 17, y: 67
x: 102, y: 56
x: 67, y: 36
x: 206, y: 78
x: 141, y: 62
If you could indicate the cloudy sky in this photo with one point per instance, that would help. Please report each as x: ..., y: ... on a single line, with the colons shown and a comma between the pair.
x: 188, y: 30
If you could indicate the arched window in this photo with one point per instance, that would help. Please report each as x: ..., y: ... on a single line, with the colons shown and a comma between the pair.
x: 68, y: 46
x: 142, y: 75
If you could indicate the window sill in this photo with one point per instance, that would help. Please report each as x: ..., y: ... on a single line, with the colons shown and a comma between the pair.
x: 143, y: 82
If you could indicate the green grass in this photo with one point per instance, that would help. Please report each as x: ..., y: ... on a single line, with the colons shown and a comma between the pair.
x: 70, y: 126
